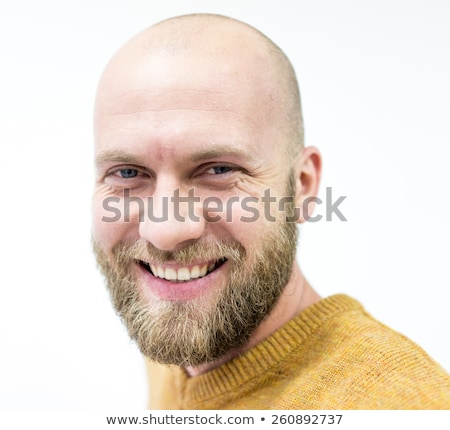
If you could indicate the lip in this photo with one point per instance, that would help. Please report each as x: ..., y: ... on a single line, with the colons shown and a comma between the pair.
x: 179, y: 291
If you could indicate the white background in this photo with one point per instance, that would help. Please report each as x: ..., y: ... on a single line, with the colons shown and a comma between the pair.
x: 374, y: 78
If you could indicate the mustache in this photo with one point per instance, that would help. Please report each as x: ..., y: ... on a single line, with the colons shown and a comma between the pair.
x: 127, y: 252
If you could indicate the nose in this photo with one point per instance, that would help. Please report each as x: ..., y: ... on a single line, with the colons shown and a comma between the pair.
x: 172, y: 218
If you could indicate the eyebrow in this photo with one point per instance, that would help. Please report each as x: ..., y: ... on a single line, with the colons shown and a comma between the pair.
x: 117, y: 156
x: 219, y: 152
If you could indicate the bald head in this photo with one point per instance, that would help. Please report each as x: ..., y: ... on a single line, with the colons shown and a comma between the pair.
x: 214, y: 53
x: 194, y: 111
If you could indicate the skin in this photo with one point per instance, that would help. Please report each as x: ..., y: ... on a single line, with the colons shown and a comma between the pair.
x: 203, y: 111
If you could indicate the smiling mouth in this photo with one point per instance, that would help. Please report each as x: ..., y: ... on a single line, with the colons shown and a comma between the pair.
x: 182, y: 274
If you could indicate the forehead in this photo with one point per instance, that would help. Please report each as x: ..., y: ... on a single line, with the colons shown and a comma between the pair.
x: 182, y: 135
x: 180, y: 101
x: 176, y: 108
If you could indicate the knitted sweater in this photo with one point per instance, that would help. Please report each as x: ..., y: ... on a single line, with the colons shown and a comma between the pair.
x: 333, y: 355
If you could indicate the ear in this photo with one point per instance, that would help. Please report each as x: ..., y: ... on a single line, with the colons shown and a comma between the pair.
x: 308, y: 168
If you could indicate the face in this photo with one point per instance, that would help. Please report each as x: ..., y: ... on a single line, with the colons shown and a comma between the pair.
x: 181, y: 157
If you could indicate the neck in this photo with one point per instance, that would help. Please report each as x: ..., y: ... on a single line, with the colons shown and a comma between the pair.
x: 296, y: 297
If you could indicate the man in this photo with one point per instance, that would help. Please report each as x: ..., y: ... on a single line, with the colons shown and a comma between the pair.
x: 201, y: 176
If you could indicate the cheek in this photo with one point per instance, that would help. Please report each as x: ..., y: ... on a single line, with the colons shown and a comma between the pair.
x: 245, y: 220
x: 108, y: 226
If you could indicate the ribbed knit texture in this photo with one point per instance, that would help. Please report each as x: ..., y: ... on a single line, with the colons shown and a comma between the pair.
x: 334, y: 355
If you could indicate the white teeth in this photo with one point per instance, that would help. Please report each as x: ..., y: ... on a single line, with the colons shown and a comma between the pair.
x: 203, y: 270
x: 183, y: 273
x: 171, y: 274
x: 195, y: 272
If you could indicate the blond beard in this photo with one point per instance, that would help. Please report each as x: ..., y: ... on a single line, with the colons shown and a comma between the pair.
x: 201, y: 330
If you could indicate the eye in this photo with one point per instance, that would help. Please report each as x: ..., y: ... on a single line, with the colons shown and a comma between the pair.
x: 127, y: 176
x: 127, y: 173
x: 218, y: 170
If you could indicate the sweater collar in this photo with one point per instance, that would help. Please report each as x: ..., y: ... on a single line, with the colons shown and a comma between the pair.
x: 222, y: 382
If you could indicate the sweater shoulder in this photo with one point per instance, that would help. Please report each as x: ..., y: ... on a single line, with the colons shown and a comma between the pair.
x: 334, y: 355
x: 354, y: 361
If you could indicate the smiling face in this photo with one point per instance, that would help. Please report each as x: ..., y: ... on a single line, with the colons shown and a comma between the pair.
x: 173, y: 130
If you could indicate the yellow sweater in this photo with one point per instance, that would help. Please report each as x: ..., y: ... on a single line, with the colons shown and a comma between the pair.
x: 334, y: 355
